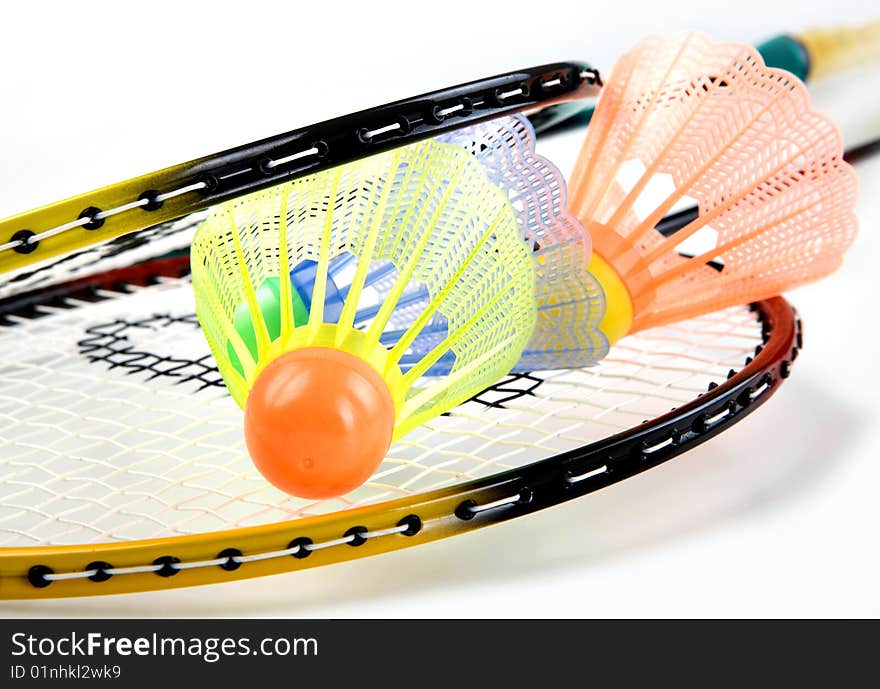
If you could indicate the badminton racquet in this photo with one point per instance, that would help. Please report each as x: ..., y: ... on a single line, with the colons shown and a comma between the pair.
x: 122, y: 466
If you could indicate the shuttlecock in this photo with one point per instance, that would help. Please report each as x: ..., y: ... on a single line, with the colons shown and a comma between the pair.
x: 570, y: 302
x: 451, y: 278
x: 685, y: 121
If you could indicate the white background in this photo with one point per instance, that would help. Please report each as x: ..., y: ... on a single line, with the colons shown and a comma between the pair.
x: 778, y: 517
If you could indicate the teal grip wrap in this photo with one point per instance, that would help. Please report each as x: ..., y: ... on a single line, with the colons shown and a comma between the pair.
x: 788, y: 53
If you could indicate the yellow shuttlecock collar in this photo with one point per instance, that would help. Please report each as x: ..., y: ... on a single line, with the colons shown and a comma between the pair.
x: 618, y: 304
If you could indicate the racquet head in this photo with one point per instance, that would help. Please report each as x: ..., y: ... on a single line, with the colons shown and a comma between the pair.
x: 123, y: 467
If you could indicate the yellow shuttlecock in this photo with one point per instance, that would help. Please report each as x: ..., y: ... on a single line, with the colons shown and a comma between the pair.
x: 435, y: 264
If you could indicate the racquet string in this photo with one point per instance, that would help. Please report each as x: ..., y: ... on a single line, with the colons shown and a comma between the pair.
x: 117, y: 426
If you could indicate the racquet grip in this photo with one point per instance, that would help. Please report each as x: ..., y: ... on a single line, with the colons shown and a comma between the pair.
x: 840, y: 48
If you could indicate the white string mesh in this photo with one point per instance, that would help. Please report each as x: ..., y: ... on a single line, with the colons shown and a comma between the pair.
x: 116, y: 425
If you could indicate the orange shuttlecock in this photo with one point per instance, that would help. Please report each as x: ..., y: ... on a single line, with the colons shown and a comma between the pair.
x: 683, y: 122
